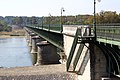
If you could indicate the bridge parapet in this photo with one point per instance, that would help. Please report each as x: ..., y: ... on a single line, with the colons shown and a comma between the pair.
x: 77, y: 53
x: 82, y: 33
x: 53, y: 28
x: 84, y: 30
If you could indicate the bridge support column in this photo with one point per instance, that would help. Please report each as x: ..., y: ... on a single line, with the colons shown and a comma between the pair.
x: 47, y: 54
x: 98, y: 63
x: 30, y: 40
x: 34, y: 51
x: 35, y: 40
x: 27, y: 34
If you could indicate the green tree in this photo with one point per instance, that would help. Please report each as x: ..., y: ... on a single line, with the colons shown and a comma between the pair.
x: 17, y: 20
x: 89, y: 20
x: 104, y: 17
x: 4, y: 26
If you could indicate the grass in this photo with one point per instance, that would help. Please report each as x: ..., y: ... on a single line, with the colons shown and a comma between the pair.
x: 19, y: 32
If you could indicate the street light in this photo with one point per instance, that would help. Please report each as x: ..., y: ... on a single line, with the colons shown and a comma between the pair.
x: 42, y: 21
x: 49, y: 21
x: 94, y: 22
x: 62, y: 10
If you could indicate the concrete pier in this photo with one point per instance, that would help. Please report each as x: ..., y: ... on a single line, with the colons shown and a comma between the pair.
x: 98, y: 63
x: 47, y: 54
x: 30, y: 38
x: 35, y: 40
x: 27, y: 34
x: 34, y: 49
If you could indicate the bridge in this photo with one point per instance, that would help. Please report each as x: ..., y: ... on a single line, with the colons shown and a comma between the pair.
x: 84, y: 54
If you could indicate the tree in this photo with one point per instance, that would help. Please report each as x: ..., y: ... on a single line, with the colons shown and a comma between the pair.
x: 89, y: 20
x: 17, y: 20
x: 104, y: 17
x: 4, y: 26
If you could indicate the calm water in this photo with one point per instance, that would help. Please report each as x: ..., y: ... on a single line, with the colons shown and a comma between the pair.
x: 14, y: 52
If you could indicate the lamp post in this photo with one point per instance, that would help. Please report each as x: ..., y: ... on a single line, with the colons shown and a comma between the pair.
x: 42, y: 21
x: 49, y: 21
x: 94, y: 21
x: 61, y: 25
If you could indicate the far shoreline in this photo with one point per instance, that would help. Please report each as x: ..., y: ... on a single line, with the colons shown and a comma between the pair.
x: 8, y: 36
x: 14, y: 33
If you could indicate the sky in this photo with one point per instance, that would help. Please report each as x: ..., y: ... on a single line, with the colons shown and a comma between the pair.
x: 45, y: 7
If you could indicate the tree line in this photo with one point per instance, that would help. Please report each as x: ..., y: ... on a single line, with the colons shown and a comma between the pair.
x: 7, y: 21
x: 102, y: 17
x: 105, y: 17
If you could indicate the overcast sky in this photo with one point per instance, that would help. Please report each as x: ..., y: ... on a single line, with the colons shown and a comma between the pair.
x: 44, y: 7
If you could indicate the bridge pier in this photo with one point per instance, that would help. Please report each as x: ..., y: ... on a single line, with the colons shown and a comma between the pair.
x: 33, y: 52
x: 34, y: 49
x: 98, y: 63
x: 35, y: 40
x: 27, y: 34
x: 30, y: 39
x: 47, y: 54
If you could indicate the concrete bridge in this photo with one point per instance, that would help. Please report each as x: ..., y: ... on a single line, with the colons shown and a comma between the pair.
x: 90, y: 57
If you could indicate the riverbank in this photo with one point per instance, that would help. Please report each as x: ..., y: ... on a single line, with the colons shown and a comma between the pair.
x: 42, y: 72
x: 8, y: 36
x: 14, y: 33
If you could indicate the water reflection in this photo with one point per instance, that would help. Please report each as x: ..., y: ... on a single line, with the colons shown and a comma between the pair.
x: 14, y: 52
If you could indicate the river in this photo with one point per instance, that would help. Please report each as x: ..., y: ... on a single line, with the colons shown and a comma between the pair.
x: 14, y: 52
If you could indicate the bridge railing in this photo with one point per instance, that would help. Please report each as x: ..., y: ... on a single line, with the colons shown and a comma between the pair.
x: 52, y: 27
x: 51, y: 23
x: 111, y: 32
x: 103, y: 31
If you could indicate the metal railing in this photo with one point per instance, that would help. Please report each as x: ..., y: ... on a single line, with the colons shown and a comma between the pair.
x: 111, y: 32
x: 103, y: 31
x: 54, y: 28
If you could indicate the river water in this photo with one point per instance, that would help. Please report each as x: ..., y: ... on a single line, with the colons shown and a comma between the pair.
x: 14, y: 52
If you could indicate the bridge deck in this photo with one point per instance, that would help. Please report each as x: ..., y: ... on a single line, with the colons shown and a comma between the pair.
x: 43, y: 72
x: 108, y: 33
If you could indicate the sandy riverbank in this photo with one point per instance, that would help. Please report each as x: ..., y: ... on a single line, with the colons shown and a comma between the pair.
x: 43, y: 72
x: 15, y: 33
x: 8, y: 36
